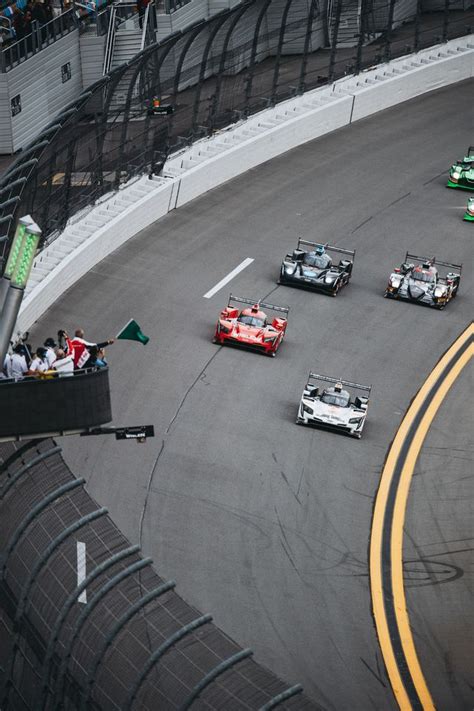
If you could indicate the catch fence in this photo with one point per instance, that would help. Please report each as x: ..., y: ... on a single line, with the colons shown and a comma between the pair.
x: 87, y: 623
x: 215, y: 73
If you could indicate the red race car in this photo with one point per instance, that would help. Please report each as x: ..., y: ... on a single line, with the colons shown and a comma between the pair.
x: 250, y: 327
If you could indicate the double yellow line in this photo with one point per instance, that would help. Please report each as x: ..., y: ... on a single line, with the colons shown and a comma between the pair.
x: 386, y: 543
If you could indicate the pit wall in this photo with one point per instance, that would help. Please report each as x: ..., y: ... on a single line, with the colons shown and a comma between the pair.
x: 212, y: 161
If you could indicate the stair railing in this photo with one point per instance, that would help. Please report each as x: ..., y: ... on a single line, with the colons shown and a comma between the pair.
x: 110, y: 41
x: 145, y: 28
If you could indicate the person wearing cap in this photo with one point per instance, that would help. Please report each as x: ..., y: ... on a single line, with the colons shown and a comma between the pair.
x: 50, y: 345
x: 39, y: 364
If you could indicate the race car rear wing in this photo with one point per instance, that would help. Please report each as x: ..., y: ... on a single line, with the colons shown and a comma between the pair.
x: 433, y: 260
x: 347, y: 383
x: 262, y: 304
x: 327, y: 247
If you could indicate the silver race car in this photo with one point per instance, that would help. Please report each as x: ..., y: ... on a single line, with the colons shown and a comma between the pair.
x: 311, y: 265
x: 334, y: 408
x: 419, y: 280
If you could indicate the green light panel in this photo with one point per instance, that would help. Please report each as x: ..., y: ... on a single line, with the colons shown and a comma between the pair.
x: 25, y: 259
x: 15, y: 250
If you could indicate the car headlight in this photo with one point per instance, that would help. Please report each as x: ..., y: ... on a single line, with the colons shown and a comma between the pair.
x: 307, y: 409
x: 455, y: 175
x: 224, y: 329
x: 269, y: 339
x: 355, y: 420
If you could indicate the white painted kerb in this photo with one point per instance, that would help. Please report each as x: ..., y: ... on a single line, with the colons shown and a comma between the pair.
x: 229, y: 153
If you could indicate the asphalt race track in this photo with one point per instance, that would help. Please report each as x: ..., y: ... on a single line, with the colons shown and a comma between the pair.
x: 263, y: 523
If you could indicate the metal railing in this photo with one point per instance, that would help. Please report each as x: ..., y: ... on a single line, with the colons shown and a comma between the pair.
x: 213, y: 74
x: 110, y: 40
x: 40, y: 37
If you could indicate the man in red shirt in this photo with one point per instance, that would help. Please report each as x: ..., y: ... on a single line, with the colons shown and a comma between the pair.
x: 79, y: 347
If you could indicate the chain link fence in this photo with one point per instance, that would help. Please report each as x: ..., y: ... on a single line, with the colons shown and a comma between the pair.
x: 87, y: 623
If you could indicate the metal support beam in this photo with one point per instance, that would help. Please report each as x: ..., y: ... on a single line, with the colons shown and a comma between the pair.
x: 90, y: 607
x: 213, y: 674
x: 281, y: 41
x: 23, y: 599
x: 66, y: 608
x: 158, y: 653
x: 120, y: 624
x: 280, y: 698
x: 8, y: 317
x: 35, y: 511
x: 31, y: 463
x: 18, y: 454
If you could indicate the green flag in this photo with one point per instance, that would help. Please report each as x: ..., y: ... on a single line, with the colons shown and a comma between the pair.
x: 132, y: 332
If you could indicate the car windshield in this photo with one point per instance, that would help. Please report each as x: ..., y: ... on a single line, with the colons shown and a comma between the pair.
x: 320, y: 261
x: 426, y: 276
x: 251, y: 321
x: 332, y: 398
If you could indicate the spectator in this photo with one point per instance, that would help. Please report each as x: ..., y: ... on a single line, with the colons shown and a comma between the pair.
x: 97, y: 358
x: 18, y: 24
x: 39, y: 364
x: 27, y: 29
x: 141, y: 7
x: 50, y: 344
x: 38, y: 13
x: 81, y: 348
x: 15, y: 365
x: 48, y: 10
x: 64, y: 364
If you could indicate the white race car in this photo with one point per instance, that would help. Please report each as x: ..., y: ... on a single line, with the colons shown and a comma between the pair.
x: 334, y: 408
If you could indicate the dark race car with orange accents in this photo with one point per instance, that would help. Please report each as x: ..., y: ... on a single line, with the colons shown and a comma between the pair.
x: 419, y: 280
x: 251, y: 327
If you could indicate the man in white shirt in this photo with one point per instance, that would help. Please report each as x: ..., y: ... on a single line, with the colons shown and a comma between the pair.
x: 49, y: 344
x: 64, y: 364
x: 39, y: 363
x: 15, y: 364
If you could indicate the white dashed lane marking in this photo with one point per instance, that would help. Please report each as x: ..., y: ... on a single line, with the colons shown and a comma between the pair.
x: 228, y: 278
x: 81, y: 569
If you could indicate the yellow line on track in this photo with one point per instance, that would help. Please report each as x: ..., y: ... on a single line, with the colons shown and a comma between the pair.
x: 376, y: 580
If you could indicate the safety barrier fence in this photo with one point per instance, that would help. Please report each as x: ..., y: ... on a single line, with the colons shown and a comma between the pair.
x: 211, y: 75
x: 85, y: 620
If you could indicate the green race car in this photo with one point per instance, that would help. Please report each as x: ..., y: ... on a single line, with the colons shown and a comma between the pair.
x: 461, y: 174
x: 469, y: 214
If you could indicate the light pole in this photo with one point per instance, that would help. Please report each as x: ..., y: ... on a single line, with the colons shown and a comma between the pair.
x: 17, y: 271
x: 23, y: 222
